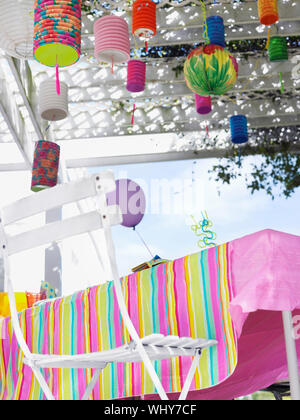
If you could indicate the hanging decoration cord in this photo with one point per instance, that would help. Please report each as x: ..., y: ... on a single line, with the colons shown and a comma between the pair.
x: 281, y: 83
x: 132, y: 118
x: 269, y: 37
x: 207, y: 130
x: 57, y: 77
x: 203, y: 13
x: 144, y: 243
x: 239, y: 157
x: 136, y: 47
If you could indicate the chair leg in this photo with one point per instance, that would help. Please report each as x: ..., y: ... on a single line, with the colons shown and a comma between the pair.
x: 41, y: 380
x: 190, y: 376
x: 91, y: 384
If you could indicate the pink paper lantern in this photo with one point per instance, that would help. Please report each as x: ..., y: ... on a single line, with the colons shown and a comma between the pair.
x: 112, y: 40
x: 136, y: 76
x: 203, y: 104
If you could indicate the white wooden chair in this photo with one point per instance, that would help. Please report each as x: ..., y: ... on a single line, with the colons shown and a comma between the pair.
x: 153, y: 347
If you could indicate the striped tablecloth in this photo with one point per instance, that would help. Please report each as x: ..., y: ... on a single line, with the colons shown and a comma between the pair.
x: 186, y: 297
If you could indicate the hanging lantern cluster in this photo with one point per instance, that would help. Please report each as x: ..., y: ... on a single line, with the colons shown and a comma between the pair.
x: 144, y: 28
x: 53, y: 107
x: 56, y: 43
x: 267, y: 12
x: 57, y: 33
x: 215, y: 36
x: 144, y: 20
x: 208, y: 70
x: 45, y: 165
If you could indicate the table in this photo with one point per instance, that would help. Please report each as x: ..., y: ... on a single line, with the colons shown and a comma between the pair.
x: 234, y: 293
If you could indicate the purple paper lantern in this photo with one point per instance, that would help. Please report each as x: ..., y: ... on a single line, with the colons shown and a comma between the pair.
x: 203, y: 104
x: 131, y: 199
x: 136, y: 76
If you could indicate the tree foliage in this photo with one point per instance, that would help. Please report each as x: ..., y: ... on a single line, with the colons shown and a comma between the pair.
x: 276, y: 170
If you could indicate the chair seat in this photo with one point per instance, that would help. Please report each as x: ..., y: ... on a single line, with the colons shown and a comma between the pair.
x: 157, y: 346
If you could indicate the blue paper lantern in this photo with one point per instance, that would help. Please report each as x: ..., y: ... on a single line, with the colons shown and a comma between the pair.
x: 239, y: 129
x: 216, y: 30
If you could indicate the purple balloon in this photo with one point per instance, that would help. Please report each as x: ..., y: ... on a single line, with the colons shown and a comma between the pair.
x: 131, y: 199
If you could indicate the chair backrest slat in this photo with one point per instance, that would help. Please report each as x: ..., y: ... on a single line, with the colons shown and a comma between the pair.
x: 56, y: 197
x: 60, y: 230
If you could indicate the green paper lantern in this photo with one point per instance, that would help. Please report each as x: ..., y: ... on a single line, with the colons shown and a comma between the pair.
x: 278, y: 50
x: 210, y: 70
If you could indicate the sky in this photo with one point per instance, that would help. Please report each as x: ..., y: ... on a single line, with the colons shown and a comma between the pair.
x: 166, y: 225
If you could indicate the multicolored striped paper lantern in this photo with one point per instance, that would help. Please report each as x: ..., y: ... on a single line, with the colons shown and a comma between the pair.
x: 136, y: 75
x: 210, y: 70
x: 144, y: 19
x: 216, y: 30
x: 203, y: 104
x: 112, y: 43
x: 45, y: 165
x: 239, y: 129
x: 57, y: 33
x: 278, y: 50
x: 267, y: 12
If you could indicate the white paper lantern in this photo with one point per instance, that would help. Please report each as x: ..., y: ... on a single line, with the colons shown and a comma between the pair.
x: 53, y: 107
x: 16, y: 27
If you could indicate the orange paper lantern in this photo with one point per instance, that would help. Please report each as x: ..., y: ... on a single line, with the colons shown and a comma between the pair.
x: 144, y: 19
x: 267, y: 12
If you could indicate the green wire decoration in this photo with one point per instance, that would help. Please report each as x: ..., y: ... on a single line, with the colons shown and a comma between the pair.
x: 201, y: 230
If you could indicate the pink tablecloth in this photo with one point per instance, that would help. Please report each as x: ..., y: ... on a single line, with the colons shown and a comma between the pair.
x: 265, y: 279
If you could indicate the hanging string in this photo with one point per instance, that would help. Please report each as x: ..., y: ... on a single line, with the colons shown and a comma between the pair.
x: 136, y: 47
x: 146, y: 46
x: 132, y: 118
x: 207, y: 131
x: 281, y: 83
x: 239, y: 155
x: 203, y: 12
x: 57, y: 77
x: 112, y: 65
x: 144, y: 243
x: 269, y: 37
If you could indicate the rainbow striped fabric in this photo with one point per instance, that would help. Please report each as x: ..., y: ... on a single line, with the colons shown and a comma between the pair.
x: 185, y: 297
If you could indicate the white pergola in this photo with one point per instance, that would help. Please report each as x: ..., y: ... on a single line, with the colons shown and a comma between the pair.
x: 166, y: 125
